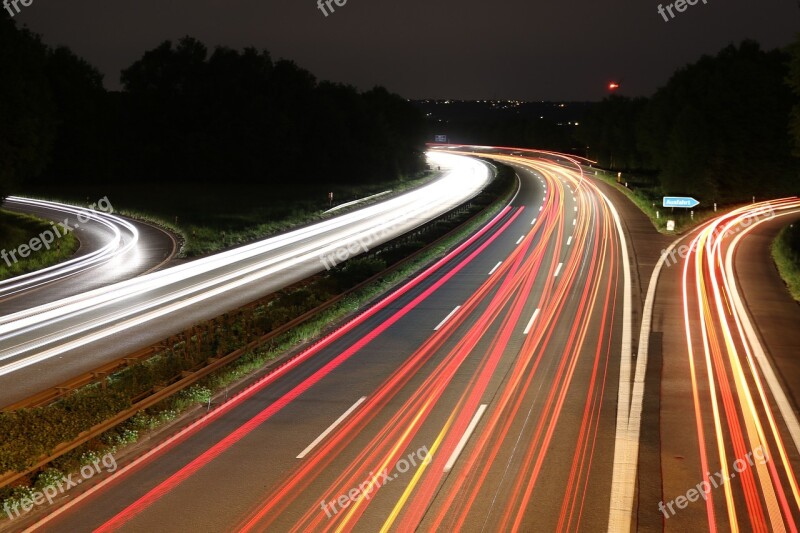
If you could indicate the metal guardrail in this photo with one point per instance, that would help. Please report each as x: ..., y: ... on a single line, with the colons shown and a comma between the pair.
x: 56, y: 393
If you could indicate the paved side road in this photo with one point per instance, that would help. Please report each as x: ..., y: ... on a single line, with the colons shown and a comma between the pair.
x: 646, y: 246
x: 774, y: 311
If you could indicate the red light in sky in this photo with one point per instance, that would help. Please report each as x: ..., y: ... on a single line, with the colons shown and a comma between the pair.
x: 613, y: 86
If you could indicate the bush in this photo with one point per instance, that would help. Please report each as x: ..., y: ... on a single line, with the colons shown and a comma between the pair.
x: 357, y: 270
x: 786, y: 253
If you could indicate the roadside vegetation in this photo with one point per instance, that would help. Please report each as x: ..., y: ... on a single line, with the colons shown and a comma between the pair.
x: 17, y: 229
x: 786, y: 253
x: 648, y: 198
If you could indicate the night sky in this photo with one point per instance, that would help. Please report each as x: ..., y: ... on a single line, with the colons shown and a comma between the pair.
x: 469, y: 49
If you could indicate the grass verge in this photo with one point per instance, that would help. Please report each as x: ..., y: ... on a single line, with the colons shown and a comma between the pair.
x: 18, y: 229
x: 649, y: 201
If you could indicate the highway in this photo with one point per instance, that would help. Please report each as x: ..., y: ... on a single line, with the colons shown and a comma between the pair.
x: 558, y: 370
x: 112, y: 249
x: 474, y: 397
x: 44, y: 346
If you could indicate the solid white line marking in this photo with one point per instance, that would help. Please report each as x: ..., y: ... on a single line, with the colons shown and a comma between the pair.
x: 558, y: 269
x: 530, y: 322
x: 520, y: 239
x: 448, y: 317
x: 569, y: 241
x: 626, y: 440
x: 332, y: 427
x: 495, y: 268
x: 465, y: 438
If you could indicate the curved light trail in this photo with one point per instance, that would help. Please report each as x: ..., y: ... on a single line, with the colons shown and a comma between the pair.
x: 35, y: 335
x: 734, y: 388
x: 124, y: 237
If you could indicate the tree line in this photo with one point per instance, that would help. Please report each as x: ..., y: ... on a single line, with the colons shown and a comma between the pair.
x: 718, y: 130
x: 187, y: 114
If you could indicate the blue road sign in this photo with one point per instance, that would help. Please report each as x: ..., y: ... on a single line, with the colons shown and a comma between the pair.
x: 680, y: 201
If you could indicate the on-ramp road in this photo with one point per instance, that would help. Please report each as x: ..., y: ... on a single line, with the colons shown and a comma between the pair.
x: 112, y: 249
